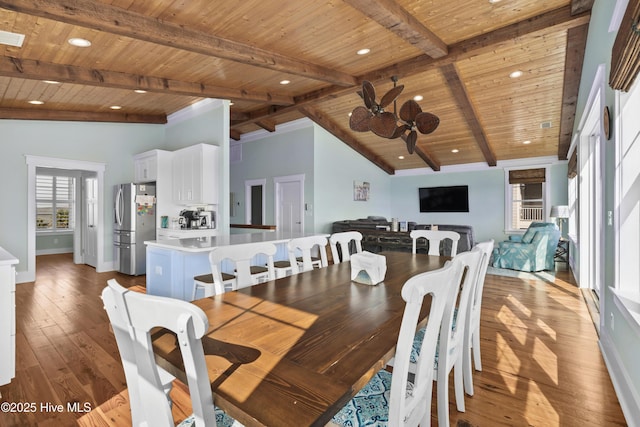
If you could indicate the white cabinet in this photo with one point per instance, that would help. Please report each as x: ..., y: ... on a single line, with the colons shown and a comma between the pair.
x: 146, y: 166
x: 7, y: 316
x: 195, y: 175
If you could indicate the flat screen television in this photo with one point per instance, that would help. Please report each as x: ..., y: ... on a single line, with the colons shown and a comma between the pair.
x: 444, y: 199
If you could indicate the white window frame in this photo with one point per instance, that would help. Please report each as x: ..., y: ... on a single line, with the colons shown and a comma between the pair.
x: 54, y: 202
x: 508, y: 199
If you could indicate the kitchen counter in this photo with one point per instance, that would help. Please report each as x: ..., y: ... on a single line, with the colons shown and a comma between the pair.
x: 172, y: 264
x: 205, y: 244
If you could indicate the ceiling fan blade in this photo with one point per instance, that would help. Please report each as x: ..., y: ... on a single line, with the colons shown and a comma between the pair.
x: 359, y: 120
x: 427, y: 122
x: 410, y: 110
x: 383, y: 124
x: 359, y: 92
x: 391, y: 96
x: 411, y: 141
x: 399, y: 131
x: 369, y: 94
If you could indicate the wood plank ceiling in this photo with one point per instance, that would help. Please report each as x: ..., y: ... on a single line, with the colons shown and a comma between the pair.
x: 457, y: 54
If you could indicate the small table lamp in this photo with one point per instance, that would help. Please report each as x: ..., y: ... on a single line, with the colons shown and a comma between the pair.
x: 560, y: 213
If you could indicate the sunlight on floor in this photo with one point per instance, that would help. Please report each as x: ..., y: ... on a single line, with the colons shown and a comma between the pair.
x: 546, y: 328
x: 546, y: 359
x: 513, y: 324
x: 536, y: 404
x: 508, y: 362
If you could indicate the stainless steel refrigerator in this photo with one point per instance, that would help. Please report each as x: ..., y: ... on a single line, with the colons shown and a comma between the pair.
x: 134, y: 222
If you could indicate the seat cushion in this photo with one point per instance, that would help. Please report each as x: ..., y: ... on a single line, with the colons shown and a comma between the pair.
x: 257, y: 269
x: 282, y: 264
x: 370, y: 406
x: 208, y: 278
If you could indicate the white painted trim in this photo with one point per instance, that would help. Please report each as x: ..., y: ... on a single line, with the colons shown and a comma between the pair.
x: 34, y: 162
x: 302, y: 123
x: 627, y: 396
x: 54, y: 251
x: 618, y: 14
x: 482, y: 166
x: 194, y: 110
x: 288, y: 178
x: 508, y: 202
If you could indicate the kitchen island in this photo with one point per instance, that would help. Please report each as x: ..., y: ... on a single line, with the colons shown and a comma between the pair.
x: 172, y: 264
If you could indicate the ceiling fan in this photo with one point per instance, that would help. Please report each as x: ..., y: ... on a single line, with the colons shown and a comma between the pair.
x: 373, y: 117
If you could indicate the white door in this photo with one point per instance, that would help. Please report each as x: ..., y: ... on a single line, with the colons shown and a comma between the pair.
x: 289, y: 204
x: 90, y: 232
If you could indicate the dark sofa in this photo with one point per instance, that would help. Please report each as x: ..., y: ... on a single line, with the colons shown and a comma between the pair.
x: 376, y: 238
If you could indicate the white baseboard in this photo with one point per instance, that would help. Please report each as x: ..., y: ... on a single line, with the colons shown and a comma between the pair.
x: 627, y: 396
x: 54, y: 251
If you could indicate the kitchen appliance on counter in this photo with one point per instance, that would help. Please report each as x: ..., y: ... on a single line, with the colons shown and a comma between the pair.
x: 134, y: 222
x: 197, y: 219
x: 207, y: 219
x: 191, y: 218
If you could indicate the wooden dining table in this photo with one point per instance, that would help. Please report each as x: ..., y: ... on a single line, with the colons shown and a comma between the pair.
x: 293, y: 351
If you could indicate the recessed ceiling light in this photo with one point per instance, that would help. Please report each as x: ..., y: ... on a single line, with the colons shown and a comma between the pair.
x: 527, y: 142
x: 418, y: 98
x: 515, y: 74
x: 115, y: 107
x: 140, y: 91
x: 36, y: 102
x: 363, y: 51
x: 285, y: 82
x: 51, y: 82
x: 455, y: 150
x: 494, y: 1
x: 78, y: 42
x: 401, y: 157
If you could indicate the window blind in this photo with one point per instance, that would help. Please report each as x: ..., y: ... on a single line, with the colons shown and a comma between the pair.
x: 625, y: 56
x: 527, y: 176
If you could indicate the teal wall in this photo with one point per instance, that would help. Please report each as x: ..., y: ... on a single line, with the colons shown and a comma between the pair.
x: 113, y: 144
x: 54, y: 244
x: 282, y: 154
x: 337, y: 166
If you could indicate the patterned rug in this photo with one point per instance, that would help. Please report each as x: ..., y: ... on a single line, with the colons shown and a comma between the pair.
x: 540, y: 275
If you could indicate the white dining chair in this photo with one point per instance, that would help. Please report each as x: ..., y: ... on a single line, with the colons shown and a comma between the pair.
x: 241, y: 258
x: 472, y: 330
x: 301, y: 257
x: 343, y: 241
x: 450, y: 353
x: 390, y: 398
x: 133, y: 315
x: 434, y: 237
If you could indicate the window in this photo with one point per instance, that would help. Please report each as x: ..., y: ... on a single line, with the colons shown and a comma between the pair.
x: 525, y: 194
x: 55, y: 203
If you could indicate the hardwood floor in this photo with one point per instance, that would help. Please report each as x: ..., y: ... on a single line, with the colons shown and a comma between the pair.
x: 542, y: 365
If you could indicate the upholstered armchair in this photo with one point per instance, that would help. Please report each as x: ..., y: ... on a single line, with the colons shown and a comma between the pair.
x: 533, y: 251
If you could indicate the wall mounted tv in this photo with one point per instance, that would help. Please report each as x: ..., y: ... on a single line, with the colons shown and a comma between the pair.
x: 444, y: 199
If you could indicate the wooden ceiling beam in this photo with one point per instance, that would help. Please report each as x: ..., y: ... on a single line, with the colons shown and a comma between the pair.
x: 576, y: 43
x: 465, y: 104
x: 268, y: 125
x: 102, y: 17
x: 399, y: 21
x: 234, y: 134
x: 557, y: 19
x: 336, y: 130
x: 80, y: 116
x: 427, y: 157
x: 37, y: 70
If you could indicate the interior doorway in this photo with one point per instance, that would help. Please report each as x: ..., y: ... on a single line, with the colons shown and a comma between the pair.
x: 97, y: 169
x: 254, y: 190
x: 289, y: 203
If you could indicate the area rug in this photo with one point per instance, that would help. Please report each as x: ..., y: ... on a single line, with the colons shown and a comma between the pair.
x: 540, y: 275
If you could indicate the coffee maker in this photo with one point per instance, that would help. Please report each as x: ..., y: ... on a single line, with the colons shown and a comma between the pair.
x: 191, y: 218
x: 207, y: 219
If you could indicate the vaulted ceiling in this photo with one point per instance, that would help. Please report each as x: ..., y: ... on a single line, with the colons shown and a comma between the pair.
x: 458, y: 55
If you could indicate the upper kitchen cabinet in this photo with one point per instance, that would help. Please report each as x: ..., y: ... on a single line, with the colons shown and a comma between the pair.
x: 195, y: 175
x: 147, y: 165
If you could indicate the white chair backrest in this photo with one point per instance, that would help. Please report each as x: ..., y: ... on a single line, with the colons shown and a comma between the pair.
x: 344, y: 239
x: 303, y: 246
x: 435, y: 237
x: 474, y: 306
x: 241, y: 256
x: 133, y: 315
x: 414, y: 408
x: 452, y: 337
